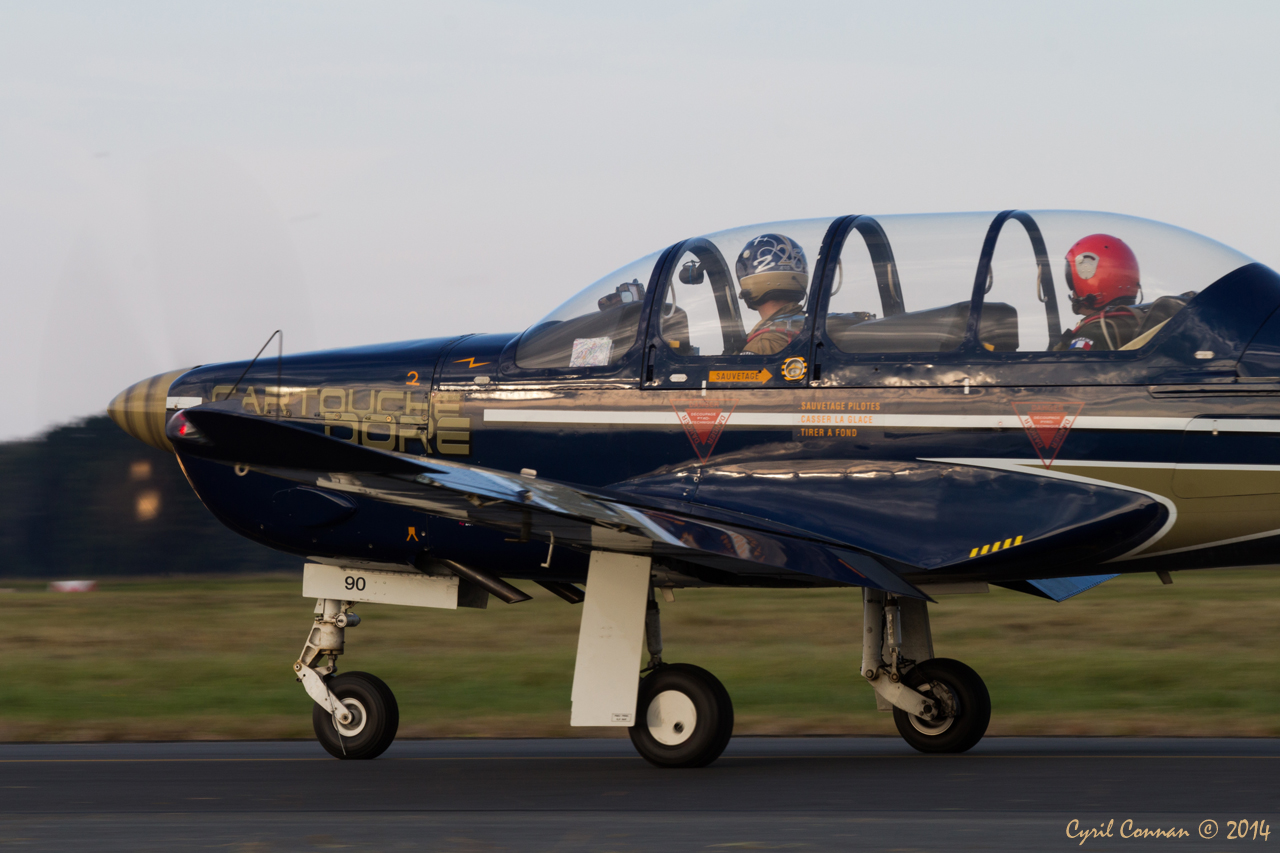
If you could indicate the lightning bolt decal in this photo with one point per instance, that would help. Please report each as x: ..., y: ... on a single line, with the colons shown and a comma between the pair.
x: 471, y: 362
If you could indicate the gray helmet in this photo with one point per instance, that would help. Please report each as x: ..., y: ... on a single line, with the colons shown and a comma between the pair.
x: 770, y: 267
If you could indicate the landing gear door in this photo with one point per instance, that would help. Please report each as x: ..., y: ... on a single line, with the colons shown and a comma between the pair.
x: 710, y: 331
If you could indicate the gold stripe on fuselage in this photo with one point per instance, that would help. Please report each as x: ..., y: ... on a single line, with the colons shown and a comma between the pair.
x: 1200, y: 521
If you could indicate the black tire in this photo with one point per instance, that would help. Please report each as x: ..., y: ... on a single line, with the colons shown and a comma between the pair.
x: 949, y: 683
x: 680, y: 742
x: 377, y: 717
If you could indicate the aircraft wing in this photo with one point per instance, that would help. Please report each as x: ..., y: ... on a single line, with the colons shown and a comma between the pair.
x: 1003, y: 521
x: 528, y: 507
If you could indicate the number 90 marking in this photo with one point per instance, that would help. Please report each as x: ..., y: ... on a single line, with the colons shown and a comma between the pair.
x: 355, y: 583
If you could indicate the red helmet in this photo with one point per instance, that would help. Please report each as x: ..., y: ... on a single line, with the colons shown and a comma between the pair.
x: 1100, y: 270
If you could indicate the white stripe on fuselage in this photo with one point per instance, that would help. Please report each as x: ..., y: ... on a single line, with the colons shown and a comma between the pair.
x: 788, y: 420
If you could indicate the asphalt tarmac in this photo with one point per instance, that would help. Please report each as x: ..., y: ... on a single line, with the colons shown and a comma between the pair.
x: 802, y: 794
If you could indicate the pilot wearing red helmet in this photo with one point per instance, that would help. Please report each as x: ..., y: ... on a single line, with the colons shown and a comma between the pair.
x: 1102, y: 277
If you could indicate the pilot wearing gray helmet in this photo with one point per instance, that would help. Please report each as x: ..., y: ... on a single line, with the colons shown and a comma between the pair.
x: 774, y: 277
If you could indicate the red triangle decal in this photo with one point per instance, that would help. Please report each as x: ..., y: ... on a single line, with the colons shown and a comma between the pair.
x: 1047, y: 423
x: 703, y: 423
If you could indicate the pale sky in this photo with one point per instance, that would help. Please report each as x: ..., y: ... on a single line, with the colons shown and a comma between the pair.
x: 177, y: 180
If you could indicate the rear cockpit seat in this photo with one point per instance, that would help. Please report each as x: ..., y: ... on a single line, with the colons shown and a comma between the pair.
x: 934, y: 330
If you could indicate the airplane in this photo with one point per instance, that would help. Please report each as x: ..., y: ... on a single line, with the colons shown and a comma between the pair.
x: 925, y: 405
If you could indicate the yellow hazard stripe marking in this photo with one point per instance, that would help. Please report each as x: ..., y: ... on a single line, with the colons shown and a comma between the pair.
x: 999, y: 545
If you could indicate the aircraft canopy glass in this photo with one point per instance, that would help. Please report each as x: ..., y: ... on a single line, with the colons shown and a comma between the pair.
x: 723, y: 284
x: 594, y: 328
x: 905, y: 283
x: 900, y: 284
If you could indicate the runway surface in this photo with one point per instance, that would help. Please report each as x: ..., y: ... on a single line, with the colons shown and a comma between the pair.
x: 802, y: 794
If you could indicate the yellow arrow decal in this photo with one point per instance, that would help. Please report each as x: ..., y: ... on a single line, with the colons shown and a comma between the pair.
x: 762, y: 376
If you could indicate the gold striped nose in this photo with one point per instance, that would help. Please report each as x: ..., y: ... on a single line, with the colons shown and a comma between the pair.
x: 140, y: 409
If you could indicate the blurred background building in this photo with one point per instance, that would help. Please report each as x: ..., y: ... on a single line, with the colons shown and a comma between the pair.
x: 86, y: 500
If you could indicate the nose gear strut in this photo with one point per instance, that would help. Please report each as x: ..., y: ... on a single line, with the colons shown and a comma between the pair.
x: 327, y: 637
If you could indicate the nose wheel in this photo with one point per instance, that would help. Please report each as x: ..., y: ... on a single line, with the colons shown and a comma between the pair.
x: 355, y: 714
x: 373, y: 720
x: 684, y: 717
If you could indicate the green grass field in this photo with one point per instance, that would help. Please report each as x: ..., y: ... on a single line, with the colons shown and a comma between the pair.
x: 201, y: 658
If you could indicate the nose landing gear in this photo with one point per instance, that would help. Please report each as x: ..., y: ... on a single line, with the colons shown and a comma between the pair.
x: 355, y: 714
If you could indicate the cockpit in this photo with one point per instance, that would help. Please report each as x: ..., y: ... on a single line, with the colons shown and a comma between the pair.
x: 1069, y: 282
x: 594, y: 328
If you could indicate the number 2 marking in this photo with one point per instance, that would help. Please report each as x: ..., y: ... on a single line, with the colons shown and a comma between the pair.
x: 355, y: 583
x: 414, y: 379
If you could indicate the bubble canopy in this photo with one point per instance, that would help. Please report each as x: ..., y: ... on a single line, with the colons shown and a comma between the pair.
x: 594, y: 327
x: 892, y: 283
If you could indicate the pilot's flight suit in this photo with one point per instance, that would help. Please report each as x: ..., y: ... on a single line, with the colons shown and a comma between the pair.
x: 1109, y: 329
x: 773, y: 335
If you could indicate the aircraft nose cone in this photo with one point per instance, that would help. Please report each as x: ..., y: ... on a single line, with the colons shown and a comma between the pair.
x: 140, y: 409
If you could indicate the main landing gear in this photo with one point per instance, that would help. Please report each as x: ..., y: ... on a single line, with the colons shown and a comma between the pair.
x: 678, y: 715
x: 939, y: 704
x: 355, y: 713
x: 684, y: 717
